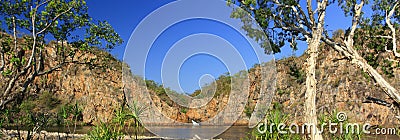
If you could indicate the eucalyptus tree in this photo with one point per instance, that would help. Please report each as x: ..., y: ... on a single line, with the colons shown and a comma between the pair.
x: 291, y: 21
x: 386, y: 15
x: 27, y: 27
x: 363, y: 28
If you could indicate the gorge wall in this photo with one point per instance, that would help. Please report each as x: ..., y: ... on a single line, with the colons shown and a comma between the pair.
x: 342, y: 86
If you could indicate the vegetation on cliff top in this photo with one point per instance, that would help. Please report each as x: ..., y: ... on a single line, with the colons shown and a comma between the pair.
x: 370, y: 43
x: 26, y: 57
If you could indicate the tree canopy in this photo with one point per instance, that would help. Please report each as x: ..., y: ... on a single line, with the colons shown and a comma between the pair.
x: 27, y: 26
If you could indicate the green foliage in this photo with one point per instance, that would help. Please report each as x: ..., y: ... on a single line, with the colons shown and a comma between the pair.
x: 372, y: 60
x: 248, y: 110
x: 72, y: 112
x: 27, y: 105
x: 297, y: 73
x: 398, y: 65
x: 6, y: 72
x: 271, y: 19
x: 66, y: 20
x: 275, y: 116
x: 366, y: 76
x: 116, y: 128
x: 157, y: 88
x: 103, y: 131
x: 339, y: 136
x: 223, y: 85
x: 184, y: 110
x: 27, y: 117
x: 195, y: 93
x: 103, y: 30
x: 160, y: 91
x: 47, y: 101
x: 282, y: 91
x: 387, y: 68
x: 39, y: 112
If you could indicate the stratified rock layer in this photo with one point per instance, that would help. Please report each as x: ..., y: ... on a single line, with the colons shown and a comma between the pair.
x: 342, y: 86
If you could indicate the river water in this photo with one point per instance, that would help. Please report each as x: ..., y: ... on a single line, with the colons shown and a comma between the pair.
x: 233, y: 133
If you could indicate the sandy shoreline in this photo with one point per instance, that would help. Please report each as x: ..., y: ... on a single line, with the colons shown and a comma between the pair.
x: 13, y: 134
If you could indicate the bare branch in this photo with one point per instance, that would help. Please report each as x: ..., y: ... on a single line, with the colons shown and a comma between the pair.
x: 53, y: 20
x: 310, y: 12
x: 33, y: 18
x: 348, y: 51
x: 381, y: 36
x: 355, y: 21
x: 10, y: 85
x: 40, y: 63
x: 392, y: 29
x: 304, y: 19
x: 23, y: 89
x: 14, y: 33
x: 338, y: 47
x: 60, y: 66
x: 52, y: 69
x: 39, y: 5
x: 2, y: 61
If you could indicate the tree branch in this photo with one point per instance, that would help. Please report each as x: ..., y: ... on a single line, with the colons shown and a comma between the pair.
x: 310, y: 12
x: 10, y: 85
x: 59, y: 66
x: 33, y: 18
x: 39, y: 5
x: 53, y: 20
x: 381, y: 36
x: 348, y: 51
x: 2, y: 61
x: 304, y: 19
x: 355, y: 21
x: 392, y: 29
x: 14, y: 33
x: 51, y: 69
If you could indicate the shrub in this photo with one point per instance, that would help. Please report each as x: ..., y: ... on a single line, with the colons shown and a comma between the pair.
x: 275, y: 116
x: 104, y: 131
x: 297, y: 73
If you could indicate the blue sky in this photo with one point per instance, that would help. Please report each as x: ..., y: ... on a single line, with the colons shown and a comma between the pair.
x: 125, y: 16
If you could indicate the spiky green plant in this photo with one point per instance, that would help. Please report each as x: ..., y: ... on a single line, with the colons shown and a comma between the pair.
x: 270, y: 126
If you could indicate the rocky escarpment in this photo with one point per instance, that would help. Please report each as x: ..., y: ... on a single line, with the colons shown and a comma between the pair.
x: 342, y: 86
x: 97, y: 88
x: 93, y: 83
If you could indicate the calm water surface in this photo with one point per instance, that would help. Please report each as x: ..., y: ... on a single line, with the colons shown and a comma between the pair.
x: 233, y: 133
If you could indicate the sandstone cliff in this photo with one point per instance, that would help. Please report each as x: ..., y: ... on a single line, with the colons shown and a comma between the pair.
x: 342, y: 86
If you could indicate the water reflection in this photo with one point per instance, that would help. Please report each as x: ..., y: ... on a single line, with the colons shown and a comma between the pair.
x: 180, y: 132
x: 234, y: 132
x: 186, y: 132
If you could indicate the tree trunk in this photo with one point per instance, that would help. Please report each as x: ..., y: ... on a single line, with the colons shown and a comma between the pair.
x: 311, y: 85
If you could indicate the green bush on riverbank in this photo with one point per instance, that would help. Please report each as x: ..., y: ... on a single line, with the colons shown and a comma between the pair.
x: 33, y: 116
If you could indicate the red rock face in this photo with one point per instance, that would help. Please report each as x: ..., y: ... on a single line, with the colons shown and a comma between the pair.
x: 97, y: 90
x: 341, y: 87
